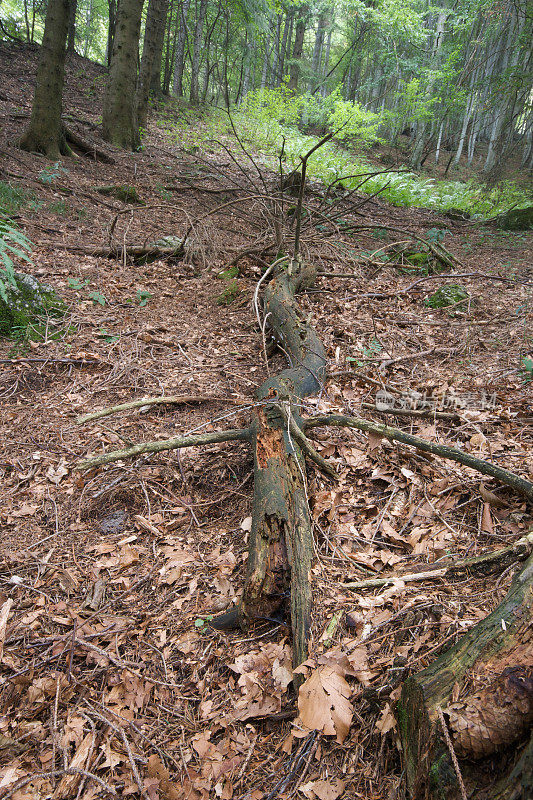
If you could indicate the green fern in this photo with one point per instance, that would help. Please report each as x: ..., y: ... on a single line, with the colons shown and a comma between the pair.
x: 12, y: 243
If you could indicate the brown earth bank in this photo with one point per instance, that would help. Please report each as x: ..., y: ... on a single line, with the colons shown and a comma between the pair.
x: 109, y: 577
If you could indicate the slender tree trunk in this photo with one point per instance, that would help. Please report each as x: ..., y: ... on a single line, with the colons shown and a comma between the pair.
x: 71, y: 39
x: 287, y: 36
x: 155, y: 20
x: 179, y: 57
x: 194, y: 96
x: 155, y: 82
x: 88, y: 26
x: 317, y: 50
x: 45, y: 131
x: 297, y: 49
x: 277, y: 52
x: 119, y: 117
x: 112, y: 24
x: 325, y: 62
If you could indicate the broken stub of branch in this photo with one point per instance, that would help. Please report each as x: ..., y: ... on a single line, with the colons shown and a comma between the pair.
x: 493, y: 665
x: 510, y: 479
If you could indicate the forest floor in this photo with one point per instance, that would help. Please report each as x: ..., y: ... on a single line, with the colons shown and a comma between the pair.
x: 108, y: 663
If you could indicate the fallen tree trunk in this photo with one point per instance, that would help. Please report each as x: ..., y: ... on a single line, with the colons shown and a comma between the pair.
x: 281, y: 540
x: 491, y: 670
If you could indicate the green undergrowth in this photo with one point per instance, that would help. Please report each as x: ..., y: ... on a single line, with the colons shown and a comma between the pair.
x: 266, y: 132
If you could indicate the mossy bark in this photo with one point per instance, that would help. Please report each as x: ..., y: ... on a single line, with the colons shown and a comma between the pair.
x: 155, y: 22
x: 45, y: 130
x: 119, y: 116
x: 490, y: 669
x: 281, y: 543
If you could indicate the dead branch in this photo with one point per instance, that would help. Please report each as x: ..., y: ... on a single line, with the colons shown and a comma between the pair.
x: 394, y: 435
x: 241, y: 435
x: 487, y: 564
x: 152, y: 401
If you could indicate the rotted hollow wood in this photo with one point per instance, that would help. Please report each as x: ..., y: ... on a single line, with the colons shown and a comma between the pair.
x: 490, y: 670
x: 281, y: 542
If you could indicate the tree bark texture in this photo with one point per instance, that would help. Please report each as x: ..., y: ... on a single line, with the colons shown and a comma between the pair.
x: 297, y: 49
x: 119, y: 117
x: 155, y: 22
x: 194, y: 96
x: 45, y: 132
x: 281, y: 544
x: 483, y: 688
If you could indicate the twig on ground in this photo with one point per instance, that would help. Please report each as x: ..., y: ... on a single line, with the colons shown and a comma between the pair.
x: 241, y: 435
x: 394, y: 435
x: 152, y: 401
x: 487, y: 564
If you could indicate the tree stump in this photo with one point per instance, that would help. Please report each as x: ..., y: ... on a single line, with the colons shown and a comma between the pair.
x: 482, y: 690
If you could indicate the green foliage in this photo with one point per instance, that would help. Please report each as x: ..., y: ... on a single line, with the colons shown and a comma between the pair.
x: 13, y: 243
x: 97, y: 298
x: 59, y: 207
x: 449, y: 295
x: 23, y: 300
x: 526, y: 369
x: 143, y: 296
x: 229, y: 293
x: 351, y: 122
x: 49, y: 175
x: 12, y: 198
x: 259, y: 126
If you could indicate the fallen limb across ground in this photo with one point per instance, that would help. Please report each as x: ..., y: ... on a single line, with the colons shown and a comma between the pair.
x: 281, y: 543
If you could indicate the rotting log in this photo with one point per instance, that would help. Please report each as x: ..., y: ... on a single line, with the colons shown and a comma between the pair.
x: 281, y: 540
x: 482, y: 691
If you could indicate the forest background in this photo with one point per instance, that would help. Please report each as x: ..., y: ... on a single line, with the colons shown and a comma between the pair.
x: 444, y: 87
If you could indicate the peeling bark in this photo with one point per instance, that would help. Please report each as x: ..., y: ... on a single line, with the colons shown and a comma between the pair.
x: 281, y: 542
x: 490, y: 671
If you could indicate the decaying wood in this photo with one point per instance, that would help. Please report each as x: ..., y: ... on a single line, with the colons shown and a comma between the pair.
x: 281, y: 543
x: 517, y: 483
x: 153, y: 401
x: 484, y: 686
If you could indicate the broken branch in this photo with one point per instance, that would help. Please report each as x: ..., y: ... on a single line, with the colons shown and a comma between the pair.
x: 241, y: 435
x: 394, y: 435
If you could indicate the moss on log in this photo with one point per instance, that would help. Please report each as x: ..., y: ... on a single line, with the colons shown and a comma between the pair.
x: 490, y: 672
x: 281, y: 543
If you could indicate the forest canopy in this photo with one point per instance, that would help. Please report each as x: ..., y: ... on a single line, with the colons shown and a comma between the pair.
x: 449, y: 83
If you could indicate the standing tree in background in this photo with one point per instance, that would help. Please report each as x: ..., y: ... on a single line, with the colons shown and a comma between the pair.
x: 119, y: 116
x: 297, y: 50
x: 45, y: 130
x: 194, y: 96
x: 155, y: 25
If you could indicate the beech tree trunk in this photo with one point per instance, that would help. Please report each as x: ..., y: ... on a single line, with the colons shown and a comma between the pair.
x: 119, y: 117
x: 297, y: 49
x: 155, y: 21
x: 194, y: 96
x: 179, y: 57
x: 491, y: 670
x: 71, y: 39
x: 45, y: 131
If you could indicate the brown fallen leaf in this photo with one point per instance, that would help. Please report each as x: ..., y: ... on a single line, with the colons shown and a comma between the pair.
x: 323, y: 703
x: 323, y: 790
x: 491, y: 498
